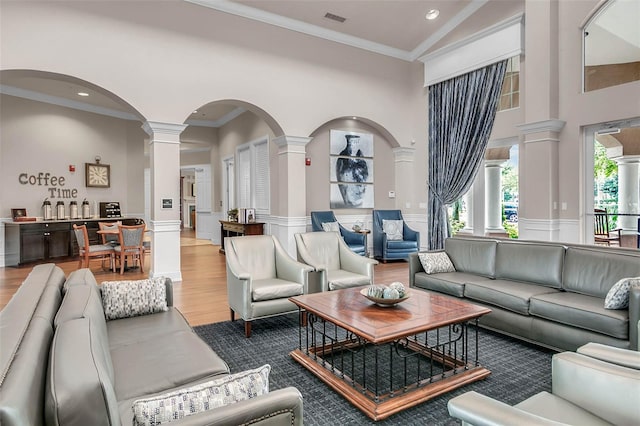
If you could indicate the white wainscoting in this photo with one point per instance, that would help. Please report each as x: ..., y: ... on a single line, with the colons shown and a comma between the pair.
x: 165, y: 261
x: 285, y: 228
x: 562, y: 230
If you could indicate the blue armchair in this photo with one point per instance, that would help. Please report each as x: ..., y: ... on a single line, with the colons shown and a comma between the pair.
x: 355, y: 241
x: 385, y: 248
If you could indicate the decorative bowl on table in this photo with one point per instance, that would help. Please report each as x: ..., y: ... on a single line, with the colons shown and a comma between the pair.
x: 386, y: 296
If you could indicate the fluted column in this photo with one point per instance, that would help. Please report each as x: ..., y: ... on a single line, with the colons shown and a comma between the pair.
x: 493, y: 195
x: 164, y: 149
x: 628, y: 190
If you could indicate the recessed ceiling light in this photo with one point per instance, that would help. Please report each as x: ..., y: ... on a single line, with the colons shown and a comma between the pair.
x: 355, y: 118
x: 432, y: 14
x: 195, y: 112
x: 83, y: 94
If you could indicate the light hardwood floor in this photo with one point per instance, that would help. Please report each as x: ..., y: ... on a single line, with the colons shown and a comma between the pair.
x: 202, y: 294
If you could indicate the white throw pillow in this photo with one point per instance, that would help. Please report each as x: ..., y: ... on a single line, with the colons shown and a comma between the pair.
x: 205, y: 396
x: 618, y: 295
x: 330, y: 227
x: 393, y: 229
x: 436, y: 262
x: 124, y: 299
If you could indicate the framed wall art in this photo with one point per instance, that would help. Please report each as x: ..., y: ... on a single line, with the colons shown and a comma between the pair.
x: 351, y: 174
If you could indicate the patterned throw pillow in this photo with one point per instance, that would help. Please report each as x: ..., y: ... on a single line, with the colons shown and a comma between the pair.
x: 124, y: 299
x: 618, y: 296
x: 436, y: 262
x: 206, y: 396
x: 330, y: 227
x: 393, y: 229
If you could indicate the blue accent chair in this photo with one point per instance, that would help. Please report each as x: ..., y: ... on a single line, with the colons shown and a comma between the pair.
x: 384, y: 249
x: 356, y: 242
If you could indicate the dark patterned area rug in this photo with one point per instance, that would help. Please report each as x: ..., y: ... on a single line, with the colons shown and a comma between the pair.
x: 518, y: 370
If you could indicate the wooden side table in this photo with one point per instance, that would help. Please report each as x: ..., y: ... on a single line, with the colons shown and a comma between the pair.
x: 235, y: 229
x: 366, y: 233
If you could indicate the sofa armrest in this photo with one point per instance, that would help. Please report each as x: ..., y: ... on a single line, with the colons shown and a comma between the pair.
x: 168, y: 283
x: 415, y: 266
x: 612, y: 355
x: 279, y: 407
x: 349, y: 261
x: 609, y: 391
x: 480, y: 410
x: 289, y: 269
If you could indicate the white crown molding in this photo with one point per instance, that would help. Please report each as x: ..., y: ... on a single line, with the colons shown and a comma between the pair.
x: 68, y: 103
x: 552, y: 125
x: 219, y: 122
x: 302, y: 27
x: 452, y: 24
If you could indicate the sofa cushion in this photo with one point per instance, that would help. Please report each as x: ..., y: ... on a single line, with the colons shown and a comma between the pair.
x: 340, y: 278
x: 528, y: 262
x: 511, y: 295
x: 123, y: 299
x: 582, y: 311
x: 618, y: 295
x: 126, y: 331
x: 156, y: 365
x: 274, y: 288
x: 436, y: 262
x: 447, y: 282
x: 474, y: 256
x: 594, y: 271
x: 217, y: 393
x: 79, y: 386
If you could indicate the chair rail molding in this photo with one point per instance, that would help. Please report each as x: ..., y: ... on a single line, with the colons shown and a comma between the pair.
x: 285, y: 228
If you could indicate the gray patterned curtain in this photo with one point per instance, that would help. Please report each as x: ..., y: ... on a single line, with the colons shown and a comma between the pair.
x: 461, y: 114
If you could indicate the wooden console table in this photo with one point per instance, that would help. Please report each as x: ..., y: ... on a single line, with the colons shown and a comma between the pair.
x: 235, y: 229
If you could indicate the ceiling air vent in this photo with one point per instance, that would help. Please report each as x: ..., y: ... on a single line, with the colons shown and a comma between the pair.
x: 335, y: 17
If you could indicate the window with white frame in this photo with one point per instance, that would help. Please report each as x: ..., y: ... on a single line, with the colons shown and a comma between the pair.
x: 253, y: 175
x: 510, y: 96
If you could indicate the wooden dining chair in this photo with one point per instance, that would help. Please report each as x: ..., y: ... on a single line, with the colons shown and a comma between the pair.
x: 131, y: 247
x: 109, y: 226
x: 88, y: 251
x: 601, y: 232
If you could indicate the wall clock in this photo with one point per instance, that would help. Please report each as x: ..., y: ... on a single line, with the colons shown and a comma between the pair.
x: 98, y: 175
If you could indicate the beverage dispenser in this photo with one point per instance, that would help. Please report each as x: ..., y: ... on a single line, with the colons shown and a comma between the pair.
x: 47, y: 214
x: 73, y: 210
x: 60, y: 210
x: 86, y: 209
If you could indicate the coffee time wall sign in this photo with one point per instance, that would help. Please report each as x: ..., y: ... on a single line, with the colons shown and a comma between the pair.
x: 54, y: 185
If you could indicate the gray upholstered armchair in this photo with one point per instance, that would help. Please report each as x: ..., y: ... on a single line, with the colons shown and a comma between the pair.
x: 336, y: 266
x: 599, y: 385
x: 261, y: 276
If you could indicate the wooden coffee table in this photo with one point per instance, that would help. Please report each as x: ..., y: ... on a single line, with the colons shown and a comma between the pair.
x: 386, y: 359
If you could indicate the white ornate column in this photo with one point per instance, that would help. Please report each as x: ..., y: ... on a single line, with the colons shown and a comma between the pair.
x: 493, y: 196
x: 164, y: 149
x: 628, y: 190
x: 291, y: 210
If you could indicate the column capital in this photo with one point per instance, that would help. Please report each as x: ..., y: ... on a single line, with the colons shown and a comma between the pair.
x: 544, y: 131
x: 404, y: 154
x: 494, y: 163
x: 627, y: 159
x: 291, y: 144
x: 153, y: 127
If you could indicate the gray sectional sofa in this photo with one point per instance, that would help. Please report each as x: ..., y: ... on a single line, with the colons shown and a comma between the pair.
x: 546, y: 293
x: 63, y: 363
